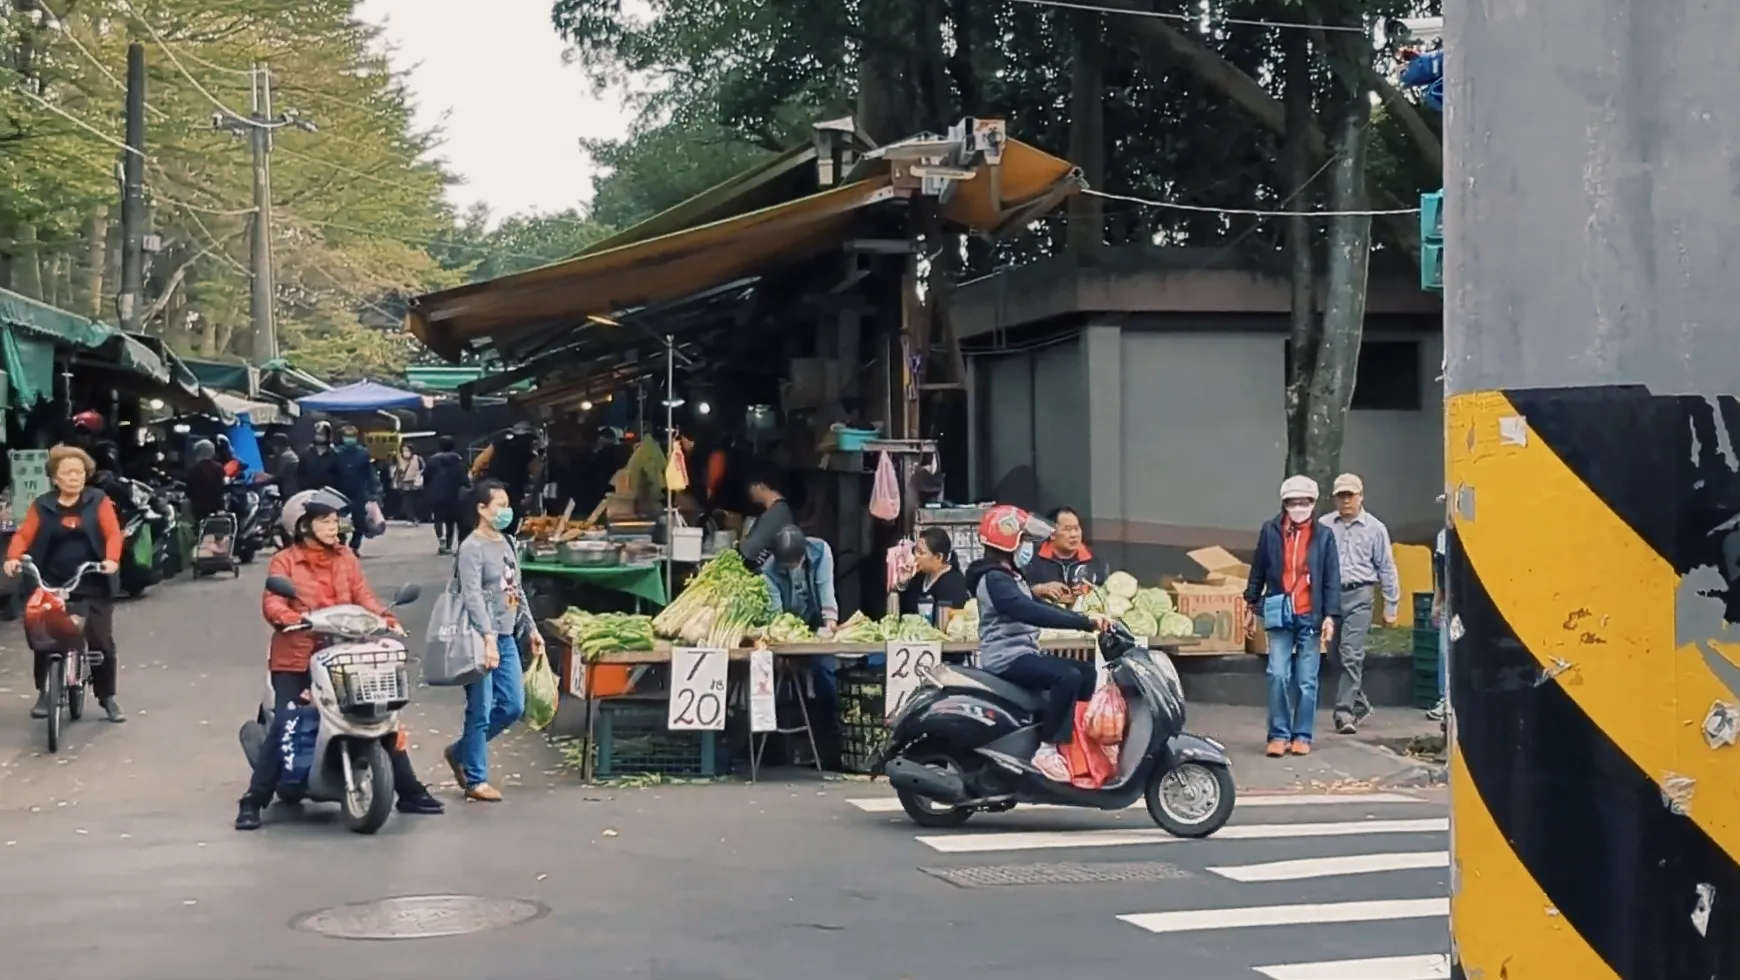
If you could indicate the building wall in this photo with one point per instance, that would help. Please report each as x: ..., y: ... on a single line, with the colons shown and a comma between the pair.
x: 1032, y: 416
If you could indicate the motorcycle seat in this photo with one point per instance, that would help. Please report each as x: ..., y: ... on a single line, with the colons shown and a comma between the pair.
x: 970, y: 678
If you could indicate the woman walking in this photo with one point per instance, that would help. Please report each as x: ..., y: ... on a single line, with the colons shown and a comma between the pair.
x: 408, y: 480
x: 495, y: 606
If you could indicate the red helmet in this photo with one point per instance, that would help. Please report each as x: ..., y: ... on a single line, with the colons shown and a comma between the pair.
x: 88, y: 420
x: 1005, y: 526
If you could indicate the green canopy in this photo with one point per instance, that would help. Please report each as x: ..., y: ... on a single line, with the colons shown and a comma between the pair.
x: 29, y: 333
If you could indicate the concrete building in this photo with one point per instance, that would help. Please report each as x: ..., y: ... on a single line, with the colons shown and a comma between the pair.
x: 1146, y: 391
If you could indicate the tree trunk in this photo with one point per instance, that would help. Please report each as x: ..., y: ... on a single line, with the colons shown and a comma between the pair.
x: 88, y: 291
x: 109, y: 304
x: 27, y: 263
x: 1349, y: 255
x: 1087, y: 130
x: 1305, y: 331
x: 175, y: 324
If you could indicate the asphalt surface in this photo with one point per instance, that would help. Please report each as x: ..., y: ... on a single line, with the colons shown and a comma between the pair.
x: 117, y: 858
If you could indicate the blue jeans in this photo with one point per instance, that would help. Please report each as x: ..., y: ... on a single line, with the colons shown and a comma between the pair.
x: 493, y: 703
x: 1295, y: 661
x: 1444, y: 657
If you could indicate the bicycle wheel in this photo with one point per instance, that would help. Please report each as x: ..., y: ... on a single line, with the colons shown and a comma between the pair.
x: 56, y: 694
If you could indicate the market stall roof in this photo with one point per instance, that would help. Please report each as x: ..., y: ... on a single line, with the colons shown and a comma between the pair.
x: 280, y: 378
x: 256, y: 412
x: 236, y: 376
x: 361, y: 396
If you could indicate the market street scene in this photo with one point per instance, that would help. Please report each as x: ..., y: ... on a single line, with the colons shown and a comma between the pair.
x: 1219, y: 491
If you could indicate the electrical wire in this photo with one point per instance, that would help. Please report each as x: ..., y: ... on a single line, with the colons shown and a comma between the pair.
x: 1193, y: 18
x: 65, y: 30
x: 201, y: 89
x: 1248, y: 212
x: 76, y: 121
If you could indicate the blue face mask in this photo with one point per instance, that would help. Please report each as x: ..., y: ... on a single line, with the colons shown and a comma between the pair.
x: 349, y: 440
x: 1024, y: 554
x: 503, y: 518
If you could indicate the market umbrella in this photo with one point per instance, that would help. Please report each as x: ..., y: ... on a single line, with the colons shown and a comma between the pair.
x: 363, y: 396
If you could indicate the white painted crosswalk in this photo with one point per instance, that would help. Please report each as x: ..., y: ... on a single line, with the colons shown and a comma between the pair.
x: 1341, y: 842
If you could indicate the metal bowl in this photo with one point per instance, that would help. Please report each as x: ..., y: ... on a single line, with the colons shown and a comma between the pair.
x: 590, y: 554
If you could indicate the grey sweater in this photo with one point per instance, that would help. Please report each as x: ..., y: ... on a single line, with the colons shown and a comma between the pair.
x: 489, y: 575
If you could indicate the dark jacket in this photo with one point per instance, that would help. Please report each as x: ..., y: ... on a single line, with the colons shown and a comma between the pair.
x: 444, y: 476
x: 1009, y: 617
x: 354, y: 469
x: 317, y: 469
x: 758, y: 544
x: 1081, y: 568
x: 286, y: 468
x: 207, y: 493
x: 1322, y: 563
x: 949, y: 589
x: 58, y: 539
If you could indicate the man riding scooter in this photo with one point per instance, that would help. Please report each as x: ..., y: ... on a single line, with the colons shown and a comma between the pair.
x: 1010, y: 619
x: 325, y: 573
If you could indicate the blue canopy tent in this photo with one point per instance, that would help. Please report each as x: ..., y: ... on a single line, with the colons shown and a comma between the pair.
x: 362, y: 396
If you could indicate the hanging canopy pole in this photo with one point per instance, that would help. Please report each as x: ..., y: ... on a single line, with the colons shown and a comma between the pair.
x: 670, y: 449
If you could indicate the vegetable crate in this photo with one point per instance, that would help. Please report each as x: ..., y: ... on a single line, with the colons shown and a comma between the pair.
x: 1425, y: 667
x: 863, y: 722
x: 632, y: 740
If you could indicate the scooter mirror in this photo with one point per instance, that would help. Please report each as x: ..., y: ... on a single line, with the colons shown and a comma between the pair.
x: 407, y: 594
x: 281, y: 587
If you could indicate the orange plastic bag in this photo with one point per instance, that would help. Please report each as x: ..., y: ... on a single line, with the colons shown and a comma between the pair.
x: 1090, y: 763
x: 1106, y: 715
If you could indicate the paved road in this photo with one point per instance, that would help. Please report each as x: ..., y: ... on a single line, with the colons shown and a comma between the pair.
x: 117, y: 859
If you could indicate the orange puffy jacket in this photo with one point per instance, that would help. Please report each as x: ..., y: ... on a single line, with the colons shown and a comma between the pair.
x: 323, y: 577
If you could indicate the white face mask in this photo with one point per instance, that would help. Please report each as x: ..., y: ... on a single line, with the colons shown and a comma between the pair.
x: 1299, y: 515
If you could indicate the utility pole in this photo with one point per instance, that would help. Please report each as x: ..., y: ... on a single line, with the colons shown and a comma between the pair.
x: 130, y: 303
x: 258, y: 128
x: 1593, y: 357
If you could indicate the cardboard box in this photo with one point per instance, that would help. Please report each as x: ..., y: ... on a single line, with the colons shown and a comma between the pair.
x: 1216, y: 604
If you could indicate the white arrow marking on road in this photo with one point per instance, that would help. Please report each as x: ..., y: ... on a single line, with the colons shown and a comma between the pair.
x: 1035, y: 841
x: 1191, y: 920
x: 891, y: 804
x: 1352, y: 864
x: 1433, y: 967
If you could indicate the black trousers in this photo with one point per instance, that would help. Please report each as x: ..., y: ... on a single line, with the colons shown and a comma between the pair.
x: 445, y: 516
x: 287, y: 688
x: 1063, y: 682
x: 99, y: 613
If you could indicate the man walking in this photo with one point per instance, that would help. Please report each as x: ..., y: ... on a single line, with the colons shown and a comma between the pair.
x: 1367, y: 564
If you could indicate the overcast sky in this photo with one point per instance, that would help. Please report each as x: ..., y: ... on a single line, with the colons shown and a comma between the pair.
x: 513, y: 111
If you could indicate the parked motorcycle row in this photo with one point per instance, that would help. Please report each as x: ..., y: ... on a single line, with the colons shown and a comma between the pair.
x: 150, y: 513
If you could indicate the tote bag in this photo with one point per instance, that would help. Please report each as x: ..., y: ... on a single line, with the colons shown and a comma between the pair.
x: 453, y: 651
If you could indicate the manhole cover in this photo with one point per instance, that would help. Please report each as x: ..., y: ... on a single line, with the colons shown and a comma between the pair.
x: 1060, y: 873
x: 420, y: 917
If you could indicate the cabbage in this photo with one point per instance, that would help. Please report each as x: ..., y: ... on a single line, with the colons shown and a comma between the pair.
x: 1155, y: 602
x: 1176, y: 625
x: 1093, y: 602
x: 1140, y: 622
x: 1117, y: 606
x: 1122, y: 584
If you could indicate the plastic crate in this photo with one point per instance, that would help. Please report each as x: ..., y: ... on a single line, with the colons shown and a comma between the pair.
x: 863, y: 722
x: 633, y: 739
x: 1425, y: 668
x: 1422, y: 609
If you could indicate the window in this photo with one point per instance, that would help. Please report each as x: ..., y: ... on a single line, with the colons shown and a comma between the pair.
x: 1388, y: 378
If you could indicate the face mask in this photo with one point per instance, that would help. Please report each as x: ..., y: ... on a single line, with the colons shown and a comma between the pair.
x: 1024, y: 554
x: 503, y: 518
x: 1299, y: 515
x: 350, y: 440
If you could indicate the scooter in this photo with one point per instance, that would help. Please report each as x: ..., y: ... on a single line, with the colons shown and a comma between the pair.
x: 254, y: 519
x: 358, y: 683
x: 140, y: 514
x: 963, y: 744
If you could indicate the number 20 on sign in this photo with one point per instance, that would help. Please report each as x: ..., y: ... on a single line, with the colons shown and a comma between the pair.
x: 903, y: 679
x: 698, y: 689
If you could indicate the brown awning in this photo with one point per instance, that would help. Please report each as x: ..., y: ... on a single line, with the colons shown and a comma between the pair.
x: 657, y: 270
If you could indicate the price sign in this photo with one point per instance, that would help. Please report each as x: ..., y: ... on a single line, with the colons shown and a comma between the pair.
x: 697, y: 690
x: 29, y: 477
x: 904, y: 661
x: 762, y: 716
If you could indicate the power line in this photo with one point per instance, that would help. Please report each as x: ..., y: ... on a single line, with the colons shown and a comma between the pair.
x: 201, y: 89
x: 65, y: 30
x: 1192, y: 18
x: 76, y: 121
x: 1248, y: 212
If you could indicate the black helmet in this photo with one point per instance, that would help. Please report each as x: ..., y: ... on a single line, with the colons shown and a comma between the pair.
x: 789, y: 545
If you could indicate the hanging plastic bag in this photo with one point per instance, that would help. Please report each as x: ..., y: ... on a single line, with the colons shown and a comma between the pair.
x: 901, y: 565
x: 543, y: 693
x: 677, y: 469
x: 374, y: 522
x: 1106, y: 715
x: 885, y: 495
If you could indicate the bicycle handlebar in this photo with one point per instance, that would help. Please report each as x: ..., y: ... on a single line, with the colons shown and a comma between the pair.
x: 26, y: 565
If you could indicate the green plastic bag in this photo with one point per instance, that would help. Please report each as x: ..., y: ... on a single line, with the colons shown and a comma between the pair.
x: 543, y: 693
x: 142, y: 547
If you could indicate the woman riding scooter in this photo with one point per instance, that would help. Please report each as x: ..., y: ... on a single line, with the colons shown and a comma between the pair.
x: 1009, y: 623
x: 326, y: 573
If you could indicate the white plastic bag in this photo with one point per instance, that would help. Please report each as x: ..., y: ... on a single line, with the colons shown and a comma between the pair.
x: 885, y: 495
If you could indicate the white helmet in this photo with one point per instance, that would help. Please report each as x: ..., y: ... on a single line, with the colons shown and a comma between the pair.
x: 308, y: 505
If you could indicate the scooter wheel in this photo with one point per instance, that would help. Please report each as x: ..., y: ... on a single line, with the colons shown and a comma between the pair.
x: 927, y: 812
x: 1193, y: 799
x: 366, y: 810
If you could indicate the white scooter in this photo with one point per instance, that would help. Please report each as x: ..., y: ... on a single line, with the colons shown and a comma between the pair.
x: 358, y: 682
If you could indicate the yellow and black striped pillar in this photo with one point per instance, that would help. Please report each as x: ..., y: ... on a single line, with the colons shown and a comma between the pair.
x: 1592, y: 356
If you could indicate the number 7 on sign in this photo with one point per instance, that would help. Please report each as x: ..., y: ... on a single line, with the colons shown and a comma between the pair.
x: 697, y: 689
x: 907, y: 663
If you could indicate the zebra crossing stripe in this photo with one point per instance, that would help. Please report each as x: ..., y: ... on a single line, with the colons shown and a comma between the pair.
x: 1196, y: 920
x: 890, y: 804
x: 1432, y: 967
x: 1036, y: 841
x: 1329, y: 867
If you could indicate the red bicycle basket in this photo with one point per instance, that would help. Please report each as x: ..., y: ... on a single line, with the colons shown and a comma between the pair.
x: 48, y: 624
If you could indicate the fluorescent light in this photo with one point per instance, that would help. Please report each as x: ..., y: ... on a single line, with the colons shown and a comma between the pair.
x: 586, y: 406
x: 702, y: 408
x: 602, y: 320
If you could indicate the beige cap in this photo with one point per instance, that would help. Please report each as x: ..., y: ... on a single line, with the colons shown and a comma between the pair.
x: 1297, y: 487
x: 1348, y: 483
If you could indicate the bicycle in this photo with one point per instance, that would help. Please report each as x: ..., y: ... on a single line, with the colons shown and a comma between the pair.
x: 52, y: 627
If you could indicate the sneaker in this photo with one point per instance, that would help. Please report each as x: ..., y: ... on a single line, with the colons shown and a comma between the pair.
x: 248, y: 815
x: 1300, y: 747
x: 1346, y: 726
x: 112, y: 709
x: 419, y: 801
x: 1437, y: 711
x: 1277, y: 748
x: 1050, y: 763
x: 39, y: 711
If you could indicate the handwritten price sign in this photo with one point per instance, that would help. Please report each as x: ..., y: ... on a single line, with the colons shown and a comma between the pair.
x: 697, y: 690
x: 904, y: 661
